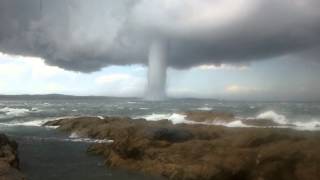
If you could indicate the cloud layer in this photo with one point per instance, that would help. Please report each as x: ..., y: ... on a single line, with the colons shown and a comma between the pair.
x: 86, y: 36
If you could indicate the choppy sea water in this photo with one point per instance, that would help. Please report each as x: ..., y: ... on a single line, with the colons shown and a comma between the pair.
x: 48, y: 154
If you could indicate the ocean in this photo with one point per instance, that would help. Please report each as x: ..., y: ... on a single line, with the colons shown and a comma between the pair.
x: 46, y: 153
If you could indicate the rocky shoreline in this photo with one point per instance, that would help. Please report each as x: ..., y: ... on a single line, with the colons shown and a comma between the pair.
x: 200, y: 152
x: 9, y: 161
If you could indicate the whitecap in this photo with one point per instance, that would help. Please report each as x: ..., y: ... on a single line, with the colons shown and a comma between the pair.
x: 271, y: 115
x: 100, y: 117
x: 34, y: 123
x: 34, y: 109
x: 205, y: 108
x: 175, y: 118
x: 237, y: 123
x: 14, y: 111
x: 308, y: 125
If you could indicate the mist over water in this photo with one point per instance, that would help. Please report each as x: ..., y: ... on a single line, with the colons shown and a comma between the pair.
x: 157, y: 72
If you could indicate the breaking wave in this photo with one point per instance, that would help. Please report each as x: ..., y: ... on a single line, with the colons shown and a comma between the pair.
x: 36, y: 123
x: 33, y: 123
x: 10, y: 112
x: 313, y: 125
x: 271, y: 115
x: 232, y: 124
x: 14, y: 111
x: 100, y: 117
x: 175, y: 118
x: 277, y: 118
x: 305, y: 124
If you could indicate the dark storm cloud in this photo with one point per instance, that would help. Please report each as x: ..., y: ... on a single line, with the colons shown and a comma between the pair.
x: 85, y: 35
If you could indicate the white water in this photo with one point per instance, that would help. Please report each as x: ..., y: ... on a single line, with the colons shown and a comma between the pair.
x: 75, y: 137
x: 271, y: 115
x: 83, y: 140
x: 282, y: 120
x: 14, y: 111
x: 175, y: 118
x: 100, y: 117
x: 34, y: 123
x: 205, y: 108
x: 300, y: 116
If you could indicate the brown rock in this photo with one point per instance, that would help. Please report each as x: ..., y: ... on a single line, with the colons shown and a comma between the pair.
x: 209, y: 116
x: 260, y: 122
x: 200, y: 152
x: 9, y: 161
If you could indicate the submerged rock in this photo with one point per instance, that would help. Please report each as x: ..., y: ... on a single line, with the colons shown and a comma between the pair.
x: 9, y: 161
x: 201, y: 152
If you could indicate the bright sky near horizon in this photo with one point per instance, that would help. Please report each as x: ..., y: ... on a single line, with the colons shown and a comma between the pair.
x: 274, y: 79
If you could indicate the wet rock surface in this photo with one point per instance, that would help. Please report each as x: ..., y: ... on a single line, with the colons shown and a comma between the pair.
x: 9, y: 162
x: 196, y: 152
x: 260, y: 122
x: 209, y: 116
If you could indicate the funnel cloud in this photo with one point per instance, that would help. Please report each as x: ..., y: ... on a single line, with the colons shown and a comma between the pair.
x: 157, y: 71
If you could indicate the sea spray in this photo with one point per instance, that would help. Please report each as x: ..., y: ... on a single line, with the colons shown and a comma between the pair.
x: 271, y: 115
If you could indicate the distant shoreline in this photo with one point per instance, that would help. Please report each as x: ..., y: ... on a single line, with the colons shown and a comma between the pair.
x: 66, y: 96
x: 58, y: 96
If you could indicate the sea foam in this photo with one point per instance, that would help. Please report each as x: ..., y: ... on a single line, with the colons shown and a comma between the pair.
x: 75, y: 137
x: 34, y: 123
x: 312, y: 125
x: 205, y: 108
x: 56, y: 139
x: 14, y: 111
x: 175, y: 118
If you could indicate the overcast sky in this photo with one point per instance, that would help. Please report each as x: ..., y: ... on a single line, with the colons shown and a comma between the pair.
x: 230, y: 49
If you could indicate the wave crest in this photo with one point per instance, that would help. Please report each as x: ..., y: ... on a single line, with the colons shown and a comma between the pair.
x: 271, y: 115
x: 175, y: 118
x: 14, y: 111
